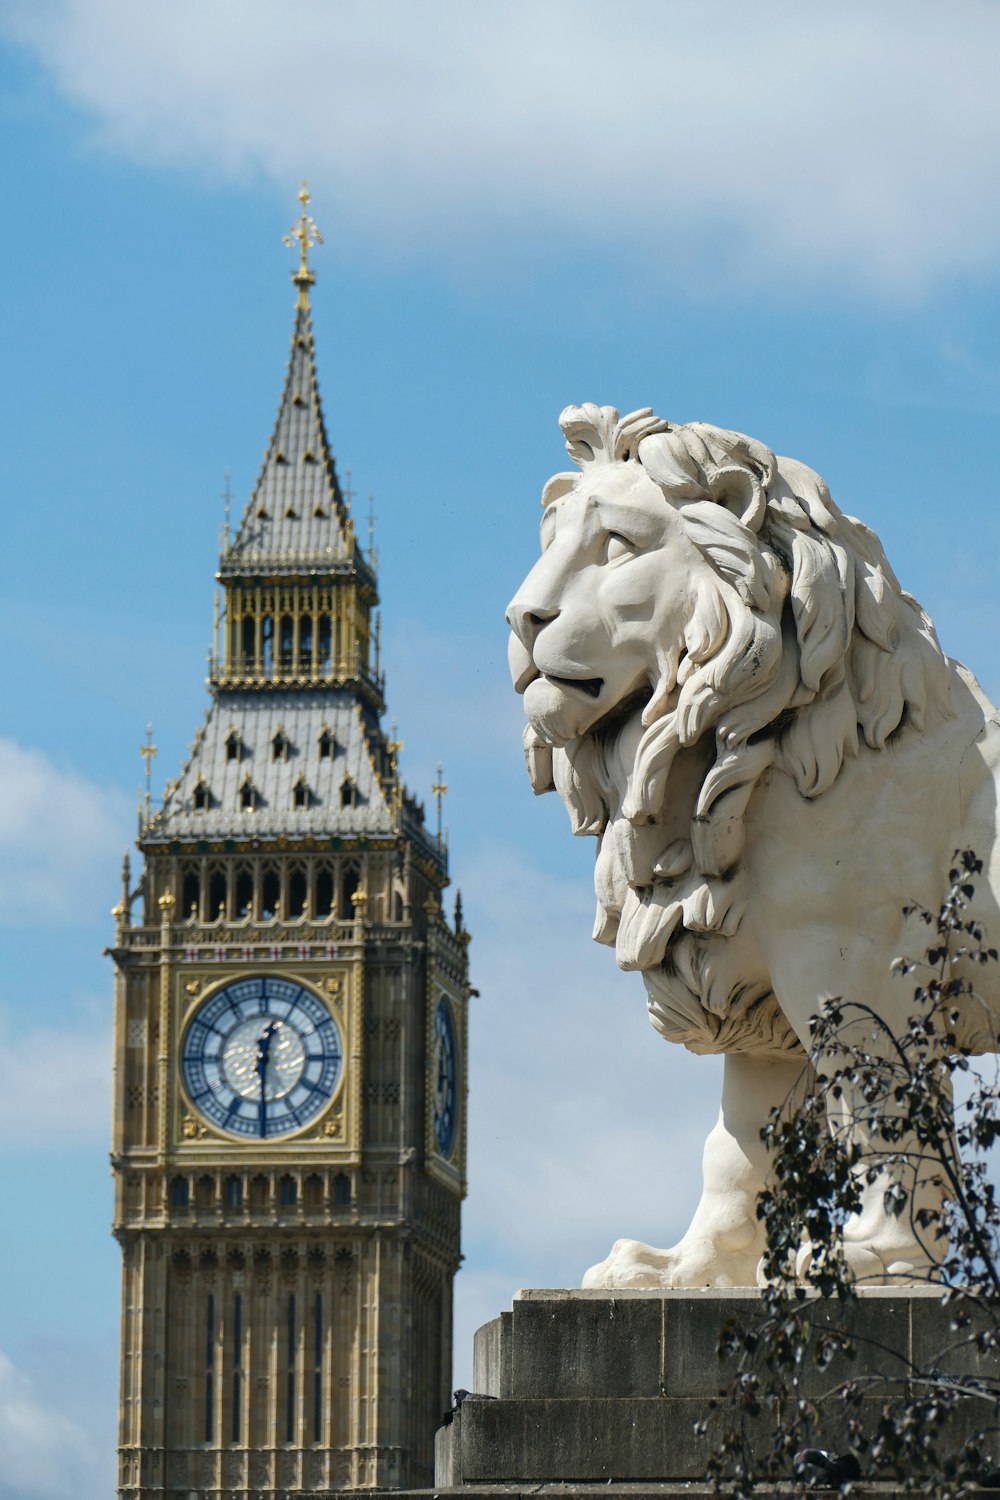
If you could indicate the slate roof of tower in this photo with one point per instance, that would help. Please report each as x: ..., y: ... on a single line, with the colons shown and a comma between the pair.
x: 297, y: 513
x: 256, y: 719
x: 297, y: 519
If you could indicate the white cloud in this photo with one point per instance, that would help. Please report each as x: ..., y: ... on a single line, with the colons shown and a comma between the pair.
x: 57, y: 1081
x: 42, y: 1454
x: 856, y: 141
x: 59, y: 836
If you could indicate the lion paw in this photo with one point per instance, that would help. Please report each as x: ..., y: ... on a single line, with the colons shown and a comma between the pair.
x: 692, y: 1263
x: 870, y: 1267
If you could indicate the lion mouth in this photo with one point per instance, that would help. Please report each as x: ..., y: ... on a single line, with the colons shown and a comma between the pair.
x: 592, y: 686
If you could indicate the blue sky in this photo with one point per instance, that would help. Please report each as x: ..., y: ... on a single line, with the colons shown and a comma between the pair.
x: 784, y: 220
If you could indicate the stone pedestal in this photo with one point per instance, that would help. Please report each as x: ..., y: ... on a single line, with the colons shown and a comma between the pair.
x: 591, y: 1387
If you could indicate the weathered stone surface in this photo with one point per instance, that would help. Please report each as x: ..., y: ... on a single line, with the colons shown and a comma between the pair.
x: 593, y: 1439
x: 591, y: 1347
x: 593, y: 1386
x: 491, y: 1357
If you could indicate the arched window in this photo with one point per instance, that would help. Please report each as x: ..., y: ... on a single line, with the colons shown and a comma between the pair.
x: 217, y: 893
x: 234, y: 1192
x: 248, y: 796
x: 249, y: 641
x: 348, y: 793
x: 300, y: 793
x: 305, y: 642
x: 312, y: 1191
x: 324, y: 891
x: 180, y: 1192
x: 296, y: 891
x: 288, y: 1192
x: 267, y: 643
x: 234, y: 745
x: 325, y: 663
x: 204, y: 1192
x: 342, y: 1188
x: 279, y: 745
x: 202, y: 796
x: 244, y: 891
x: 258, y: 1191
x: 190, y: 893
x: 286, y: 642
x: 270, y: 893
x: 348, y: 889
x: 327, y: 745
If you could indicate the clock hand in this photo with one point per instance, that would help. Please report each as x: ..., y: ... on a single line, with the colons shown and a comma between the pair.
x: 263, y: 1052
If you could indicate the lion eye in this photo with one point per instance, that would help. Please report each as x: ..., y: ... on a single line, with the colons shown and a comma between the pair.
x: 618, y: 546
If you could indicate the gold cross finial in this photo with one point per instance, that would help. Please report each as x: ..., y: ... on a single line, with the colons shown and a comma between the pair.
x: 438, y: 789
x: 147, y: 751
x: 304, y: 234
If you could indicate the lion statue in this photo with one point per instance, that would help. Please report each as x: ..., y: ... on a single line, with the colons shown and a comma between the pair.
x: 729, y: 690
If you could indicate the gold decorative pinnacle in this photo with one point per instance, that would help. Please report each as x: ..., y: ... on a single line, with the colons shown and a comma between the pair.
x: 438, y: 790
x: 304, y: 234
x: 148, y: 752
x: 166, y: 903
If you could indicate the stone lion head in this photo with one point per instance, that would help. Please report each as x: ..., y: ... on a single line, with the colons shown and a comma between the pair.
x: 701, y: 613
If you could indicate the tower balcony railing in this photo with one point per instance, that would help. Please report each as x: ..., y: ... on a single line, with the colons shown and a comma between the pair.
x: 236, y: 561
x: 274, y: 938
x: 172, y: 822
x: 241, y: 934
x: 290, y: 671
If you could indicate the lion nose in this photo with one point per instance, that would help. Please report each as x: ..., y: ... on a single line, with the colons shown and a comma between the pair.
x: 526, y: 620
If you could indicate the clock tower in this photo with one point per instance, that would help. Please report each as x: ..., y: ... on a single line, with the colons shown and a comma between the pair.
x: 290, y: 1037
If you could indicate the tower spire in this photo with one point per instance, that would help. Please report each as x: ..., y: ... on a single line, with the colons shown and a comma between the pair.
x: 305, y: 234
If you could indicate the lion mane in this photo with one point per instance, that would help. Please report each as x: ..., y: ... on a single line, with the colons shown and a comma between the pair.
x: 800, y: 644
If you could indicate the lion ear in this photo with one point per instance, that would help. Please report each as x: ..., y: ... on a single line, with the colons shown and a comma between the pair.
x: 741, y: 492
x: 557, y: 486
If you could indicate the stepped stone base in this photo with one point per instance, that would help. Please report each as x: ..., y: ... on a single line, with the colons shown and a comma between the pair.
x: 575, y: 1389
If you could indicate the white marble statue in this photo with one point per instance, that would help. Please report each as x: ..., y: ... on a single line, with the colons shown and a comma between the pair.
x: 727, y: 687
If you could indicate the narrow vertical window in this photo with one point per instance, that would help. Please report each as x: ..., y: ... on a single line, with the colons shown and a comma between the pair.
x: 209, y: 1367
x: 324, y: 644
x: 237, y: 1361
x: 290, y: 1383
x: 318, y: 1369
x: 286, y: 640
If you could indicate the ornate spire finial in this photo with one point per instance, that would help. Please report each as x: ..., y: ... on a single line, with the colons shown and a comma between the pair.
x: 148, y: 751
x: 438, y: 790
x: 304, y: 234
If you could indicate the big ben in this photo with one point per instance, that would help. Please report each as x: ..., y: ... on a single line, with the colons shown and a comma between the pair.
x: 291, y: 1036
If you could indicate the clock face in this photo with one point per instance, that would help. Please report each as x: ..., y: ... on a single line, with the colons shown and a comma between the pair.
x: 443, y: 1080
x: 261, y: 1057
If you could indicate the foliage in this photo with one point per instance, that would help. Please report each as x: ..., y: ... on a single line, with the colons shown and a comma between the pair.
x: 810, y: 1371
